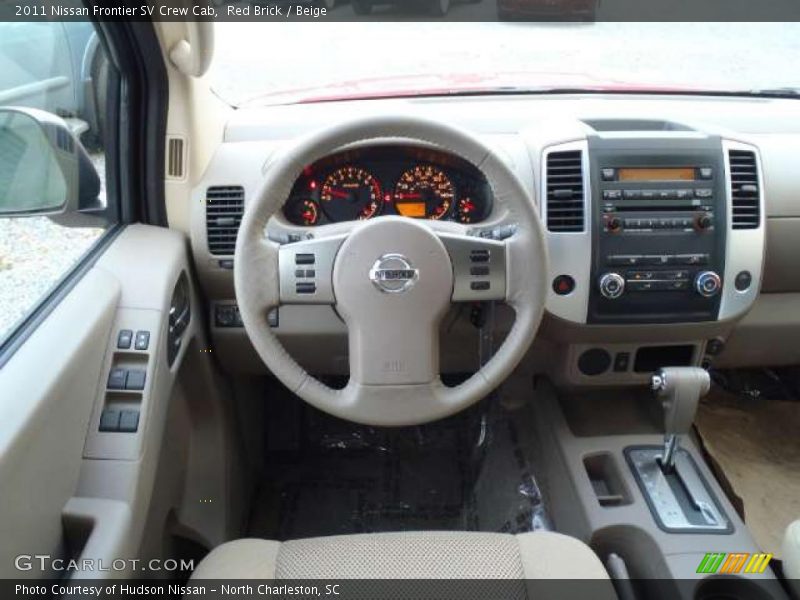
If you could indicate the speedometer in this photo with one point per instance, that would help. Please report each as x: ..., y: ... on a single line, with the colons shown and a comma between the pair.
x: 350, y: 193
x: 424, y: 192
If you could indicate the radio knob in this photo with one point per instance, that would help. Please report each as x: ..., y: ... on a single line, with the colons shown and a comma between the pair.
x: 707, y: 284
x: 612, y: 285
x: 614, y: 224
x: 704, y: 221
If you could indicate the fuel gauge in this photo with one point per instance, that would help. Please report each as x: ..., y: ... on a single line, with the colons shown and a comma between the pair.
x: 467, y: 211
x: 302, y: 211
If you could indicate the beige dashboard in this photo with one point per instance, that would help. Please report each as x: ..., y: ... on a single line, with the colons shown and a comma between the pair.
x: 762, y: 328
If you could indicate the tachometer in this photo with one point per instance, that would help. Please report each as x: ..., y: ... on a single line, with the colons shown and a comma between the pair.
x: 350, y: 193
x: 424, y: 192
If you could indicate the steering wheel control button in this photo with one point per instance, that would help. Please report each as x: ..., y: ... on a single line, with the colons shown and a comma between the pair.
x: 743, y: 281
x: 305, y: 259
x: 563, y: 285
x: 109, y: 420
x: 116, y: 379
x: 480, y: 271
x: 142, y: 340
x: 594, y: 362
x: 480, y: 286
x: 393, y: 274
x: 135, y: 380
x: 129, y: 421
x: 480, y: 256
x: 124, y: 339
x: 612, y: 285
x: 707, y: 284
x: 306, y: 287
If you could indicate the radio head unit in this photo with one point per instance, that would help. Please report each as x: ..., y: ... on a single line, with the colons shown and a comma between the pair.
x: 658, y: 229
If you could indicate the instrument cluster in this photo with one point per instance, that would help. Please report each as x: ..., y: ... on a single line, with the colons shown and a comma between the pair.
x: 414, y: 182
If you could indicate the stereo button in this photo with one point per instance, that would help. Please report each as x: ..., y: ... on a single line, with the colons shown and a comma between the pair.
x: 690, y: 259
x: 661, y: 259
x: 620, y: 260
x: 612, y: 285
x: 642, y: 286
x: 708, y: 284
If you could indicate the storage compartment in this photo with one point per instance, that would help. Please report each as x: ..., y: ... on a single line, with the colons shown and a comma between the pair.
x: 606, y: 480
x: 652, y: 358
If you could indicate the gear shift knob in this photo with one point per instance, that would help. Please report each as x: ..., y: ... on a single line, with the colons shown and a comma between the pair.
x: 680, y: 390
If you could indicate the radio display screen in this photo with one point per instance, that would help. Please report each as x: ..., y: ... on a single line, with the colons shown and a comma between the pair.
x: 656, y: 174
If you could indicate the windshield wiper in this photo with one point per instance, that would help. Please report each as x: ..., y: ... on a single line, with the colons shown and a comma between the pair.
x: 782, y: 92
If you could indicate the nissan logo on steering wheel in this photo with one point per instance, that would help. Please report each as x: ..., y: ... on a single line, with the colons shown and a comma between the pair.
x: 393, y: 274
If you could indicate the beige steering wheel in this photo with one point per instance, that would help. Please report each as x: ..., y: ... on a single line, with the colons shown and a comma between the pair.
x: 391, y: 279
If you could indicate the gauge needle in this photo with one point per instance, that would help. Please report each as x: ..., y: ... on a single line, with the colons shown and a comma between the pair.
x: 410, y: 196
x: 340, y: 193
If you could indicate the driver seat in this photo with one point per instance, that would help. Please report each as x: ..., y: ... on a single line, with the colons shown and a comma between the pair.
x: 409, y: 555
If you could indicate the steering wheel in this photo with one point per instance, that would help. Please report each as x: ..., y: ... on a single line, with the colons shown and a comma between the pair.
x: 391, y: 280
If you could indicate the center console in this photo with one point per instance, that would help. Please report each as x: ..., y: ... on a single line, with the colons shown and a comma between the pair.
x: 658, y: 250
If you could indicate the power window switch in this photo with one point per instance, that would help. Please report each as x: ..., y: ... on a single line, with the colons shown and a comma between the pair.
x: 129, y: 421
x: 142, y: 340
x: 135, y: 380
x: 109, y: 420
x: 124, y: 339
x: 117, y: 379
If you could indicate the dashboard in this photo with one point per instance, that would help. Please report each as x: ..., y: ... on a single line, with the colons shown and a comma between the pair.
x: 671, y: 224
x: 410, y: 181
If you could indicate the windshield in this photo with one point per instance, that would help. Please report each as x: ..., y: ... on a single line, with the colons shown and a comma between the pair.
x: 278, y: 63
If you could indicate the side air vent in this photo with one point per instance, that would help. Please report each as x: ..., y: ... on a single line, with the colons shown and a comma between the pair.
x: 565, y: 191
x: 224, y: 210
x: 744, y: 189
x: 175, y: 158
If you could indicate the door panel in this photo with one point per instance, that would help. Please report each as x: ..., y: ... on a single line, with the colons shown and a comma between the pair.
x: 62, y: 466
x: 47, y: 391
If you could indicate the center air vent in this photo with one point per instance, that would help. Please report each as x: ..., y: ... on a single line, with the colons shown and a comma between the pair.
x: 224, y: 210
x: 745, y: 192
x: 565, y: 191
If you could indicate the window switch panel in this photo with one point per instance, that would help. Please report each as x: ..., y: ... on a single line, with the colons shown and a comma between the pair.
x: 109, y: 420
x: 135, y: 380
x: 117, y: 379
x: 142, y: 340
x: 124, y: 339
x: 129, y: 421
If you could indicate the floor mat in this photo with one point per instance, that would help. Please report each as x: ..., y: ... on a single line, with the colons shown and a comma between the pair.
x: 326, y: 476
x: 754, y: 441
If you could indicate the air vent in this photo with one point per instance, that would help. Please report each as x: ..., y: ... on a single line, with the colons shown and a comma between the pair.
x: 224, y: 209
x: 175, y: 158
x: 744, y: 189
x: 565, y: 191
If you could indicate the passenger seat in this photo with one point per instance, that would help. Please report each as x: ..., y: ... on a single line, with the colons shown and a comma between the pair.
x: 791, y: 557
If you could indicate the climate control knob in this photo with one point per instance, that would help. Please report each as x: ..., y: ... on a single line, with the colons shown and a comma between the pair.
x: 707, y: 284
x: 612, y: 285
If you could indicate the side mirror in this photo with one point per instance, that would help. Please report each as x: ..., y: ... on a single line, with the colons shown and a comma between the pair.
x: 44, y: 169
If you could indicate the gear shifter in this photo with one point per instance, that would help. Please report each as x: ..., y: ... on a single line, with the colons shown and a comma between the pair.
x: 678, y: 496
x: 680, y: 390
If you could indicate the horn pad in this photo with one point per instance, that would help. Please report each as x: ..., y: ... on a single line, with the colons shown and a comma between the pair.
x: 393, y: 281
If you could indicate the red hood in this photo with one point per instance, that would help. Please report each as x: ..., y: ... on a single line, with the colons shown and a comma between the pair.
x: 455, y: 83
